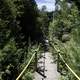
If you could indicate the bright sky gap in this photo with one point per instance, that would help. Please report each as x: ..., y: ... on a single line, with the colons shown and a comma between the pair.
x: 50, y: 4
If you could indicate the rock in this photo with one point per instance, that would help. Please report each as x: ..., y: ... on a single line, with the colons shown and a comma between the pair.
x: 65, y: 37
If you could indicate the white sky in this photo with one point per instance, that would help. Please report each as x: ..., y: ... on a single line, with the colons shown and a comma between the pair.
x: 50, y: 4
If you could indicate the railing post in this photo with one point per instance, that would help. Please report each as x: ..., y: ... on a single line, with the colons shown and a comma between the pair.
x: 36, y: 61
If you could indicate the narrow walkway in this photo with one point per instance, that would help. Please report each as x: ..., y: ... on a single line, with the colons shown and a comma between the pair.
x: 51, y: 68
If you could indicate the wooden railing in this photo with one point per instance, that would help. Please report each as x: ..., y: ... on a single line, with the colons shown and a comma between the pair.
x: 29, y: 62
x: 61, y: 57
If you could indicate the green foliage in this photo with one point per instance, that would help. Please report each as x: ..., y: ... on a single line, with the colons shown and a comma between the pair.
x: 28, y: 76
x: 44, y: 22
x: 18, y: 20
x: 66, y: 22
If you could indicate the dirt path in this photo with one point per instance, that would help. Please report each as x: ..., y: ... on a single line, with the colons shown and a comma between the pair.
x: 51, y: 68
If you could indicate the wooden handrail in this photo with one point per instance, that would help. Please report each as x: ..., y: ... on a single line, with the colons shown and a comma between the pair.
x: 58, y: 51
x: 20, y: 75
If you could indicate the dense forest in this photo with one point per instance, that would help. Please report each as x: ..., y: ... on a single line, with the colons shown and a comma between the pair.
x: 65, y: 32
x: 23, y: 27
